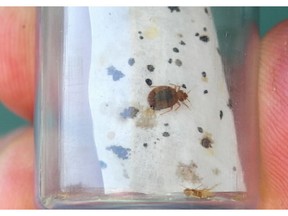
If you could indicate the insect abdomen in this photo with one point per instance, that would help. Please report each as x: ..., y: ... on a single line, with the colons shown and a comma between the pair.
x: 162, y: 97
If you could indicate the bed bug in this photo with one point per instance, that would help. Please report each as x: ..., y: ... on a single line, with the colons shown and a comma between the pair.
x: 162, y: 97
x: 197, y: 193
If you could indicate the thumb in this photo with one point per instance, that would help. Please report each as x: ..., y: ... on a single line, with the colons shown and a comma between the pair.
x: 17, y: 170
x: 273, y: 108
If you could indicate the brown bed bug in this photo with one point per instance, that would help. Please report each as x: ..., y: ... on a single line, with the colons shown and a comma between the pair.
x: 162, y: 97
x: 197, y: 193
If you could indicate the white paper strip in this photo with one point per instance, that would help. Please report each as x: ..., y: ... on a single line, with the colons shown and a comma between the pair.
x: 146, y: 151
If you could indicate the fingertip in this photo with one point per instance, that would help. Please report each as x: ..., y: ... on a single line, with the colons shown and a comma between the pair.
x: 17, y: 59
x: 273, y: 108
x: 17, y: 171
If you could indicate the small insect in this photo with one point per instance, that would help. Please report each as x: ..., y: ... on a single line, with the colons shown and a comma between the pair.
x: 197, y: 193
x: 162, y: 97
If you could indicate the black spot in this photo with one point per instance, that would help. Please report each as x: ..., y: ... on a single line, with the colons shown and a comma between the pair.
x: 206, y: 142
x: 170, y: 61
x: 166, y: 134
x: 234, y: 168
x: 148, y: 82
x: 150, y: 68
x: 184, y: 86
x: 200, y: 129
x: 182, y: 43
x: 229, y: 104
x: 177, y: 9
x: 166, y: 124
x: 206, y: 10
x: 221, y: 114
x: 131, y: 61
x: 140, y: 33
x: 180, y: 35
x: 130, y: 112
x: 158, y: 139
x: 197, y: 34
x: 204, y: 29
x: 145, y: 145
x: 204, y: 38
x: 204, y: 74
x: 178, y: 62
x: 176, y: 50
x: 205, y: 91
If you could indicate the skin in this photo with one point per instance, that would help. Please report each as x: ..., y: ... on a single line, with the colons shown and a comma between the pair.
x: 17, y: 89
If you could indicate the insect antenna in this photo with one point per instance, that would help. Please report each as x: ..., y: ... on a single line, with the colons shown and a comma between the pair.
x: 187, y: 97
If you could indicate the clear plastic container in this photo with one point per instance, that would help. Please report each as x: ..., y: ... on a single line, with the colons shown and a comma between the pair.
x: 147, y: 107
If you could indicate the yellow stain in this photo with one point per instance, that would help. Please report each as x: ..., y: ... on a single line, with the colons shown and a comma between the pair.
x: 151, y: 32
x: 147, y: 119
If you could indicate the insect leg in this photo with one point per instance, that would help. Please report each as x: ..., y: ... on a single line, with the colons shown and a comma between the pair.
x: 178, y: 106
x: 177, y: 87
x: 167, y: 111
x: 185, y: 104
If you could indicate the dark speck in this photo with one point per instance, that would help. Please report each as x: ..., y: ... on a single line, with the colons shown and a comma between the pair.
x: 166, y: 124
x: 234, y: 168
x: 150, y: 68
x: 200, y: 129
x: 177, y: 9
x: 206, y: 142
x: 204, y: 29
x: 205, y: 92
x: 229, y: 104
x: 218, y: 50
x: 103, y: 165
x: 141, y: 37
x: 131, y: 61
x: 197, y: 34
x: 23, y: 26
x: 139, y: 32
x: 221, y: 114
x: 184, y: 86
x: 176, y: 50
x: 204, y: 38
x: 116, y: 74
x: 170, y: 61
x: 166, y: 134
x: 206, y: 10
x: 204, y: 74
x: 148, y: 82
x: 182, y: 43
x: 145, y: 145
x: 130, y: 112
x: 122, y: 153
x: 178, y: 62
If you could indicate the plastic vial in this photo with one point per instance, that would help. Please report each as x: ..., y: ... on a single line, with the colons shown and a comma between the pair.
x: 147, y: 107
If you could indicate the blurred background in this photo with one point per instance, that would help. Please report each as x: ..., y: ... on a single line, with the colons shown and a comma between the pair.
x: 269, y: 16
